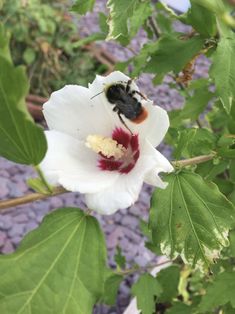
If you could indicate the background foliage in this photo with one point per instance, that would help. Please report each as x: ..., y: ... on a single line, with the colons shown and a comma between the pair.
x: 43, y: 38
x: 192, y: 221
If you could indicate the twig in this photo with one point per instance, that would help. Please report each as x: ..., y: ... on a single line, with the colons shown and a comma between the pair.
x: 36, y: 99
x: 138, y: 269
x: 193, y: 161
x: 199, y: 123
x: 60, y: 190
x: 30, y: 198
x: 154, y: 27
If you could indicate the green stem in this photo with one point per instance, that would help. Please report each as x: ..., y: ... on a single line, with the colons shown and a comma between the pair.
x: 138, y: 269
x: 41, y: 176
x: 193, y: 161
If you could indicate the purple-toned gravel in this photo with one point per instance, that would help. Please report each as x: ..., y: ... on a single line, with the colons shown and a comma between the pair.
x: 122, y: 228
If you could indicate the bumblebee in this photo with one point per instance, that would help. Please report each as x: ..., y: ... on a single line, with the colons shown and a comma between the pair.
x: 125, y: 103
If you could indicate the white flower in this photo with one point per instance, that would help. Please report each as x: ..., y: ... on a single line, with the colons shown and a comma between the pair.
x: 90, y: 150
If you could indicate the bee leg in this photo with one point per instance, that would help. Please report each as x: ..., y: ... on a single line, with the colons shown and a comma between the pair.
x: 139, y: 93
x: 128, y: 86
x: 123, y: 122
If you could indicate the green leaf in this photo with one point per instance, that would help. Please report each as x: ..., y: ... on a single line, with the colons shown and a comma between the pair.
x: 172, y: 54
x: 231, y: 119
x: 223, y: 71
x: 164, y: 22
x: 82, y: 7
x: 37, y: 185
x: 217, y: 116
x: 232, y: 242
x: 208, y: 170
x: 232, y: 171
x: 140, y: 59
x: 147, y: 232
x: 202, y: 143
x: 224, y: 185
x: 111, y: 287
x: 58, y: 268
x: 120, y: 258
x: 231, y: 196
x: 4, y: 43
x: 227, y: 309
x: 226, y: 152
x: 216, y: 6
x: 193, y: 142
x: 191, y: 218
x: 142, y: 12
x: 169, y: 280
x: 29, y: 55
x: 103, y: 23
x: 194, y: 106
x: 145, y: 290
x: 122, y: 12
x: 21, y: 140
x: 89, y: 39
x: 201, y: 19
x: 179, y: 308
x: 144, y: 227
x: 226, y: 140
x: 219, y: 292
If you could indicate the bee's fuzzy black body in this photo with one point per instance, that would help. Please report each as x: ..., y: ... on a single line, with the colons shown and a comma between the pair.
x: 122, y: 97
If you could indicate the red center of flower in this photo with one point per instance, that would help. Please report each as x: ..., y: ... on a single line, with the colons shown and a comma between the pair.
x: 127, y: 162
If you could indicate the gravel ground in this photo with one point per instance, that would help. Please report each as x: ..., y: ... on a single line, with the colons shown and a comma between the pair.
x: 121, y: 228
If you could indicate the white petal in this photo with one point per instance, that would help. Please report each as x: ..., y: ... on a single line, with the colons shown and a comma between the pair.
x: 152, y: 178
x: 101, y: 81
x: 71, y: 110
x: 70, y: 163
x: 162, y: 165
x: 155, y: 126
x: 125, y: 190
x: 122, y: 194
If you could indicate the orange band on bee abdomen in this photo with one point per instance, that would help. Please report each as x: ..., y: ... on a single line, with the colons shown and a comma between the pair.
x: 141, y: 117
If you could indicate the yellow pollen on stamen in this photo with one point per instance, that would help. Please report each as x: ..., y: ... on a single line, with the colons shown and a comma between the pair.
x: 106, y: 146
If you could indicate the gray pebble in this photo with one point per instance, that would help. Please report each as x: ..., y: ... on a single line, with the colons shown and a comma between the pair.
x: 13, y: 170
x: 15, y: 191
x: 20, y: 218
x: 41, y: 206
x: 39, y: 218
x: 30, y: 226
x: 16, y: 240
x: 114, y: 237
x: 8, y: 247
x: 17, y: 230
x: 4, y: 173
x: 5, y: 222
x: 117, y: 217
x: 109, y: 228
x: 31, y: 214
x: 133, y: 236
x: 140, y: 260
x: 3, y: 238
x: 4, y: 191
x: 56, y: 202
x: 130, y: 221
